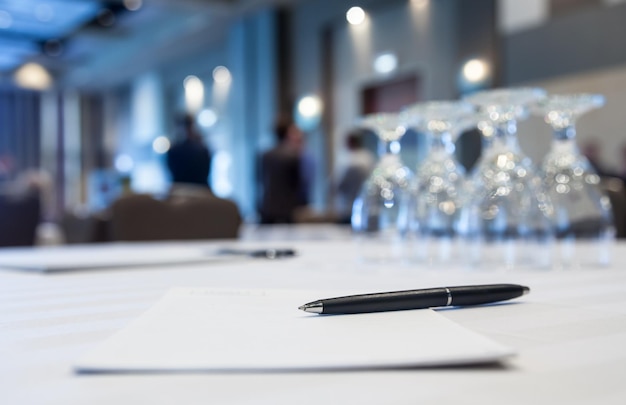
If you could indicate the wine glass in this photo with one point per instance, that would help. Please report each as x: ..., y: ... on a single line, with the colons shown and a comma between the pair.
x: 583, y: 215
x: 437, y: 188
x: 507, y: 212
x: 379, y: 216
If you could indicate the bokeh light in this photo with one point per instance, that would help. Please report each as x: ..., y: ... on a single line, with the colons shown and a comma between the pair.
x: 475, y: 70
x: 124, y: 163
x: 475, y: 74
x: 33, y: 76
x: 309, y: 106
x: 207, y: 118
x: 222, y: 75
x: 133, y: 5
x: 385, y: 63
x: 194, y: 93
x: 161, y: 145
x: 355, y: 15
x: 420, y: 3
x: 308, y: 112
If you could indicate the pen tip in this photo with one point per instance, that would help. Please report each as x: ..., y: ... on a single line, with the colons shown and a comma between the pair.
x: 314, y: 307
x: 525, y: 290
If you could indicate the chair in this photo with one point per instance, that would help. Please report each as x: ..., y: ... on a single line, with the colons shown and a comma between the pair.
x: 83, y: 227
x: 141, y: 217
x: 19, y: 217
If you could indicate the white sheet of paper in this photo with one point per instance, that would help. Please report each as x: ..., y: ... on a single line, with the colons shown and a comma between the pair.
x: 54, y: 259
x: 196, y: 329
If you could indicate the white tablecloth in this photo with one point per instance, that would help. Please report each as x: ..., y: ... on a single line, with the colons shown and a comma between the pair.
x: 570, y: 332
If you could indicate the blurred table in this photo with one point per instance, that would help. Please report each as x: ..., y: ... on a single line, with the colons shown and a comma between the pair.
x: 570, y: 332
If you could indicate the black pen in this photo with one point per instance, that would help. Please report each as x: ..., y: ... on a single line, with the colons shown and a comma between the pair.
x: 417, y: 299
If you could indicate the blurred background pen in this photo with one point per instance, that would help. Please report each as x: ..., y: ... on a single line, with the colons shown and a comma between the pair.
x: 259, y: 253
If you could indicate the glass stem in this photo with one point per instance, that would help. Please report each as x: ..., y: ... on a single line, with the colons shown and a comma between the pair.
x: 388, y: 148
x: 384, y: 147
x: 568, y: 132
x: 440, y: 143
x: 505, y: 135
x: 565, y: 141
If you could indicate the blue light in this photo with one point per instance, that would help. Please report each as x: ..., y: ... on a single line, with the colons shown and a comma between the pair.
x: 27, y: 23
x: 63, y: 17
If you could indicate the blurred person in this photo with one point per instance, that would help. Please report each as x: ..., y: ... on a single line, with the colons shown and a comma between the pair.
x: 28, y: 205
x: 359, y: 164
x: 284, y: 176
x: 189, y: 159
x: 38, y: 182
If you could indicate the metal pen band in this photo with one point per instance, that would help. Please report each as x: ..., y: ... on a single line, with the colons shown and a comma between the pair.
x: 449, y: 302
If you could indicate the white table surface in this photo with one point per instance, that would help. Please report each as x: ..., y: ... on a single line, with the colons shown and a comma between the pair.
x: 570, y: 332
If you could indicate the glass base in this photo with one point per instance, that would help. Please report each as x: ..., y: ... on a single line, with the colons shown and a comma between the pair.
x: 584, y: 253
x: 433, y: 251
x: 380, y: 249
x: 509, y: 254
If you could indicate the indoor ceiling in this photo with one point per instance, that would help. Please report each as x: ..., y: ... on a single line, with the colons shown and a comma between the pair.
x: 103, y: 42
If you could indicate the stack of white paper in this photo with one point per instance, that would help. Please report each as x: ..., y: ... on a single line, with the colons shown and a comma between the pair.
x: 193, y: 329
x: 59, y: 259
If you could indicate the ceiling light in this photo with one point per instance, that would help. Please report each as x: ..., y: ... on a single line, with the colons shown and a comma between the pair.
x: 308, y: 112
x: 33, y: 76
x: 194, y: 93
x: 475, y: 70
x: 309, y: 106
x: 420, y: 3
x: 385, y: 63
x: 6, y: 20
x: 355, y: 15
x: 133, y: 5
x: 222, y: 75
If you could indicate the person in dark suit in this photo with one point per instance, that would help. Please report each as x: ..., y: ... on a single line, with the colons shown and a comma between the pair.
x: 282, y: 176
x: 359, y: 165
x: 189, y: 160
